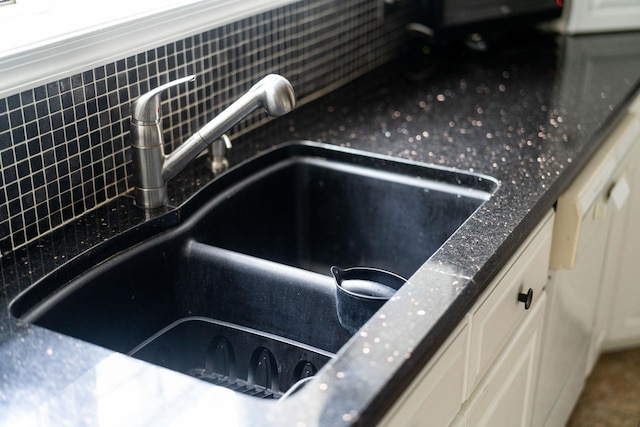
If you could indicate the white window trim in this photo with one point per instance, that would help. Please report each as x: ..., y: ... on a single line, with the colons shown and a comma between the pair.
x: 29, y: 66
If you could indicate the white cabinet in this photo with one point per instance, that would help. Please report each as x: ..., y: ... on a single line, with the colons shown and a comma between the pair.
x: 602, y: 15
x: 499, y: 314
x: 505, y: 396
x: 586, y: 260
x: 573, y: 296
x: 506, y: 337
x: 435, y: 396
x: 485, y: 373
x: 623, y: 262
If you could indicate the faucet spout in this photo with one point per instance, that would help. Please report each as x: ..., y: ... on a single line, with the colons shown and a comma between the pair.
x: 153, y: 169
x: 274, y: 93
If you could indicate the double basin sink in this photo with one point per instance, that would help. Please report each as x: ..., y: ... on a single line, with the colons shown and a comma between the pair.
x: 240, y: 292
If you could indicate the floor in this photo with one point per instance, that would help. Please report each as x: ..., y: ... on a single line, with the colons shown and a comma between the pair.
x: 611, y: 397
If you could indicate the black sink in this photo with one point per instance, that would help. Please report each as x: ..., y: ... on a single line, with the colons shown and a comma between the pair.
x: 240, y: 292
x: 313, y: 207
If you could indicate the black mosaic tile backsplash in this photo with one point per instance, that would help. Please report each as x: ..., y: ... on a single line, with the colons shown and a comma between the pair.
x: 64, y: 145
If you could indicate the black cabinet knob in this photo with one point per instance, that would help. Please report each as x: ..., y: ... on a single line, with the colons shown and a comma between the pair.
x: 527, y: 298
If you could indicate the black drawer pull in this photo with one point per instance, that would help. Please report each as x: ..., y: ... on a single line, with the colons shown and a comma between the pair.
x: 527, y: 298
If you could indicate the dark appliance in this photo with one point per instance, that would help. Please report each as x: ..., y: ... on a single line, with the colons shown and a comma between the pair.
x: 456, y: 16
x: 480, y: 23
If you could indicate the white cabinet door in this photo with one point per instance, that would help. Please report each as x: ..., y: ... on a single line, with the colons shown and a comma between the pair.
x: 505, y: 396
x: 436, y: 395
x: 499, y: 314
x: 573, y: 298
x: 623, y: 264
x: 582, y: 287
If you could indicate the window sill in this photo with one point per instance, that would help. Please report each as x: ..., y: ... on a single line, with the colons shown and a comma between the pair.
x: 74, y: 44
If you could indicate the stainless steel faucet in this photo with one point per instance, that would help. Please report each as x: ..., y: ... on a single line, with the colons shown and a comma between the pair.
x: 152, y: 169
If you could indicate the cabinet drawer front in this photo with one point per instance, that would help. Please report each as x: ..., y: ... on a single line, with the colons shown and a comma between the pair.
x: 501, y: 313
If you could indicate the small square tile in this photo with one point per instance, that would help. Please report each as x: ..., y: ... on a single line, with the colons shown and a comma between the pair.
x: 18, y: 135
x: 29, y: 113
x: 87, y: 76
x: 64, y: 85
x: 4, y: 123
x: 16, y: 118
x: 13, y: 102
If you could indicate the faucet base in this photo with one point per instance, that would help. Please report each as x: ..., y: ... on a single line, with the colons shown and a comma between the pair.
x: 150, y: 198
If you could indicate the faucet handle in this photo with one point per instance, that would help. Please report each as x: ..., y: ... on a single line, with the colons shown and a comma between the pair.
x: 146, y: 109
x: 218, y: 162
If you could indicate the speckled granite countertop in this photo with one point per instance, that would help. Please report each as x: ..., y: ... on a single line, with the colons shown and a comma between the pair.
x: 531, y: 119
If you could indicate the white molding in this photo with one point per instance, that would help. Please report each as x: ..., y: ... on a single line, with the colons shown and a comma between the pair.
x: 61, y: 57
